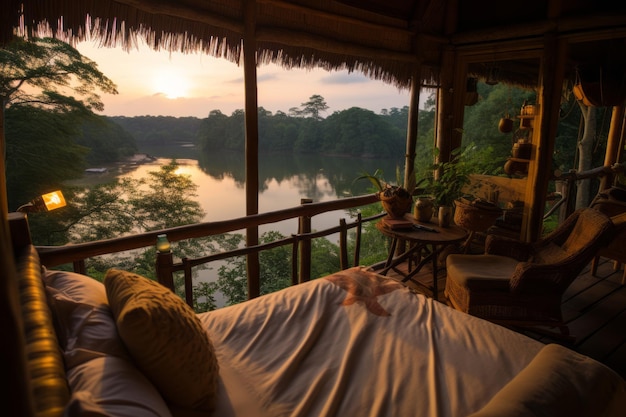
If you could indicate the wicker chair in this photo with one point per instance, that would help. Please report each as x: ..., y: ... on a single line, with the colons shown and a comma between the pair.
x: 612, y: 202
x: 521, y: 284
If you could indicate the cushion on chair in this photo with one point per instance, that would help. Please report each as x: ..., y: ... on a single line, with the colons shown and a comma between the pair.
x: 481, y: 271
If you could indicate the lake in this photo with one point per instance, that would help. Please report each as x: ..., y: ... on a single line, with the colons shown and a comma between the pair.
x: 284, y: 179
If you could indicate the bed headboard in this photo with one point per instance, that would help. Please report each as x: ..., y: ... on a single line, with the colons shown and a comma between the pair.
x: 35, y: 371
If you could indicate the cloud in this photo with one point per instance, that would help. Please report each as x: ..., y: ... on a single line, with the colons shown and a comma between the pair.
x: 344, y: 78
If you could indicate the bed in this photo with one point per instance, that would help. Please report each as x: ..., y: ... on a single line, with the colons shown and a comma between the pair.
x: 353, y: 343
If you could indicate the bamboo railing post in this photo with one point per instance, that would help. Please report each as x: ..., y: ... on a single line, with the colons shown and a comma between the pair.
x: 343, y: 244
x: 188, y: 282
x: 357, y: 240
x: 164, y: 263
x: 305, y: 245
x: 294, y: 262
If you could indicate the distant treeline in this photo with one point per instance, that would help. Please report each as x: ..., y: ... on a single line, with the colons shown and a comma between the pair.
x: 356, y: 132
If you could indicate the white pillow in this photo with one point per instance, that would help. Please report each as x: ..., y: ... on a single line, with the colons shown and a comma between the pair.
x: 111, y: 386
x: 101, y: 376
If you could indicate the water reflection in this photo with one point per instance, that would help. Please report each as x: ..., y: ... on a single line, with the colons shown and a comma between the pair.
x: 284, y: 180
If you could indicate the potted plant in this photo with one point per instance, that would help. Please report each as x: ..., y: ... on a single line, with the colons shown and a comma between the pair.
x: 448, y: 182
x: 396, y: 200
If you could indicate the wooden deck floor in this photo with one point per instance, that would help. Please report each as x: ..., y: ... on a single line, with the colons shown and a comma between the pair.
x: 594, y: 308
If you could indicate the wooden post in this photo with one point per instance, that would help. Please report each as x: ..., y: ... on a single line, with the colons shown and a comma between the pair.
x: 343, y: 244
x: 444, y: 121
x: 252, y: 145
x: 412, y: 127
x: 305, y: 245
x: 612, y: 155
x: 164, y: 262
x: 544, y: 132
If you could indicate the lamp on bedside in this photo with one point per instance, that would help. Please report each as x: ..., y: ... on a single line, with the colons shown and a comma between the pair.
x: 45, y: 202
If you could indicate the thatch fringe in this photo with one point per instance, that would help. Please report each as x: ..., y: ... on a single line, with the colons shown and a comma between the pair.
x: 217, y: 29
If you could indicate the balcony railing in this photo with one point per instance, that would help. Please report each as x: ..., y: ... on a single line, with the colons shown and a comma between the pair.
x: 76, y: 254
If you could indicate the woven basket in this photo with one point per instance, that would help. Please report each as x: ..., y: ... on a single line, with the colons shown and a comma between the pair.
x: 395, y: 206
x: 475, y: 216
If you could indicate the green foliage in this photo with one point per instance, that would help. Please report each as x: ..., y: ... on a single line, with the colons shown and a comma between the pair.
x: 107, y: 141
x: 452, y: 177
x: 159, y: 130
x: 40, y: 152
x: 163, y: 199
x: 47, y: 88
x: 56, y: 74
x: 275, y: 266
x: 351, y: 132
x: 480, y: 124
x: 311, y: 108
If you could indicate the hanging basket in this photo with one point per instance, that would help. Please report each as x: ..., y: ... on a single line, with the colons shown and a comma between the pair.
x: 477, y: 215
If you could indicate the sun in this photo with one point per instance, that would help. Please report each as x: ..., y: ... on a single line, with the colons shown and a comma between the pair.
x: 171, y: 84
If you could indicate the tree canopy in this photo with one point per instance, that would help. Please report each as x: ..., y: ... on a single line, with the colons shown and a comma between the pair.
x: 56, y: 74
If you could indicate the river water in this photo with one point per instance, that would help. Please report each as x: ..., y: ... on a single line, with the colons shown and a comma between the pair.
x: 284, y: 180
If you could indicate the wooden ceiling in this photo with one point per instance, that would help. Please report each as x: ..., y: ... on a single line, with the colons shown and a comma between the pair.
x: 384, y: 39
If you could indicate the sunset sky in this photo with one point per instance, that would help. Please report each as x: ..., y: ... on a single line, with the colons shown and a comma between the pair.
x: 160, y: 83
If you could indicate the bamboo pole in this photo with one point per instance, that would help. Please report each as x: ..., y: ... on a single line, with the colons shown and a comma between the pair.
x: 613, y: 143
x: 544, y: 134
x: 252, y: 146
x: 411, y: 131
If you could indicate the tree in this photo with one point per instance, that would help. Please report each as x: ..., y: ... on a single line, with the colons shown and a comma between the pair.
x: 55, y: 74
x: 164, y: 199
x: 49, y: 74
x: 311, y: 108
x: 40, y: 152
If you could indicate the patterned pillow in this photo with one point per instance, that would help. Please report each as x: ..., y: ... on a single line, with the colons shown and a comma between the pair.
x: 165, y: 338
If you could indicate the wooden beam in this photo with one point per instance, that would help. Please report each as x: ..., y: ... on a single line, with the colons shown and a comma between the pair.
x: 616, y: 133
x: 444, y: 105
x: 252, y: 146
x: 411, y: 131
x: 544, y: 134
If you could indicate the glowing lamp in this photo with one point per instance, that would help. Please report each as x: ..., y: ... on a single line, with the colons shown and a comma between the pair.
x: 45, y: 202
x: 162, y: 244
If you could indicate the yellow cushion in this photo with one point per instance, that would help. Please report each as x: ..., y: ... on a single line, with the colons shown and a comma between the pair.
x: 165, y: 339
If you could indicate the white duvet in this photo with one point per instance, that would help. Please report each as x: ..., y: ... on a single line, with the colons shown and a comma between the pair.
x: 359, y: 344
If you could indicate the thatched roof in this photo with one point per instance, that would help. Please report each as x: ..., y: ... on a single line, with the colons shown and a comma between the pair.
x: 384, y: 39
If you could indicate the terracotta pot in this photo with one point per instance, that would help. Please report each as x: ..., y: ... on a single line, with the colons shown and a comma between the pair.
x: 445, y: 216
x: 424, y: 209
x: 395, y: 206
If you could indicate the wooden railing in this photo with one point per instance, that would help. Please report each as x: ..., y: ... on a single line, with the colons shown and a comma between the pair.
x: 567, y: 202
x: 76, y: 254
